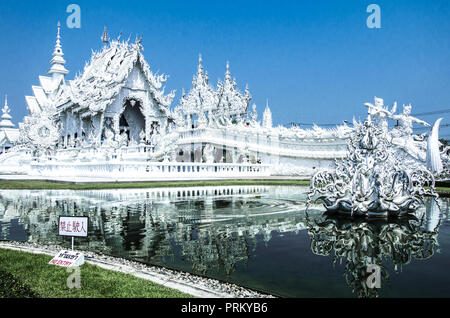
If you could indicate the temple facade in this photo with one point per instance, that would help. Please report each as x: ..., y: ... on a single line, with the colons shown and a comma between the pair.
x: 116, y: 95
x: 115, y: 118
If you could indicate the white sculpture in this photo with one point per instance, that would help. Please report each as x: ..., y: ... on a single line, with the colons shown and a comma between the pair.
x: 373, y: 180
x: 405, y: 121
x: 142, y: 136
x: 434, y: 161
x: 208, y: 154
x: 380, y: 113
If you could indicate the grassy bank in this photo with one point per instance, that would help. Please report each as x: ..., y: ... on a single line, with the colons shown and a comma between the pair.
x: 44, y: 185
x: 29, y: 275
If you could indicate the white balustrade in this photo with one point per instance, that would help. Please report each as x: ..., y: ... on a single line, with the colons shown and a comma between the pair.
x: 148, y: 170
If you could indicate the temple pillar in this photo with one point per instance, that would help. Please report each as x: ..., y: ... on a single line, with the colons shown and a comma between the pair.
x: 148, y: 127
x: 116, y: 124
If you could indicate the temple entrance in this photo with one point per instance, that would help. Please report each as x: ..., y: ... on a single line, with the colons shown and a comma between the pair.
x: 124, y: 127
x: 132, y: 121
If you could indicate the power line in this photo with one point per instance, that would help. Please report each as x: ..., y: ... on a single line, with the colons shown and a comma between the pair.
x: 433, y: 113
x: 441, y: 126
x: 305, y: 124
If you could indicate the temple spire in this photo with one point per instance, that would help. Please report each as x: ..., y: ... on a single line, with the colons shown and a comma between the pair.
x: 267, y: 116
x: 58, y: 70
x: 6, y: 117
x: 228, y: 73
x: 105, y: 37
x: 200, y: 65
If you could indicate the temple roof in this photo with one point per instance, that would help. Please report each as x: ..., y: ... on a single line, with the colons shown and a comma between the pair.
x: 106, y: 74
x: 226, y: 99
x: 202, y: 96
x: 9, y: 135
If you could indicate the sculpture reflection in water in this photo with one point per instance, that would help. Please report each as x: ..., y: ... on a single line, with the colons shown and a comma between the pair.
x: 362, y: 244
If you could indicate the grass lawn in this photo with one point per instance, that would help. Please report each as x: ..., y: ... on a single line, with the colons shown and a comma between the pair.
x: 47, y: 185
x: 29, y: 275
x: 44, y: 185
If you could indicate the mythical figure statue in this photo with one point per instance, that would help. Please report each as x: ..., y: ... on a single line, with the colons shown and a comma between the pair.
x: 374, y: 180
x: 405, y: 121
x: 208, y: 154
x: 380, y: 113
x: 142, y: 136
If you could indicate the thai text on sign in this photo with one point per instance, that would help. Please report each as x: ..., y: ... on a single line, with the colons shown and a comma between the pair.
x: 73, y: 226
x: 67, y: 259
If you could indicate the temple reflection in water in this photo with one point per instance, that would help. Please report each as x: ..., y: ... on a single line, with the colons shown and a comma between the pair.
x: 214, y: 229
x: 209, y: 227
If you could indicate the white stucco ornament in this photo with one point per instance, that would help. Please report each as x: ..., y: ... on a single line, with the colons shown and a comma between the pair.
x: 39, y: 132
x: 373, y: 180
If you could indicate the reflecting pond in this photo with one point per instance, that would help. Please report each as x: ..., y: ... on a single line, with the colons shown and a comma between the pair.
x: 260, y: 237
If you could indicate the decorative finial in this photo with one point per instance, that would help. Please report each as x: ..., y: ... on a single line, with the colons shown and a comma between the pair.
x: 6, y: 109
x: 6, y: 117
x: 200, y: 65
x: 59, y: 30
x: 228, y: 74
x: 58, y: 61
x: 105, y: 37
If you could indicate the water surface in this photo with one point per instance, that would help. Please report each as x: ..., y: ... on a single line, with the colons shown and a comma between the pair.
x: 256, y: 236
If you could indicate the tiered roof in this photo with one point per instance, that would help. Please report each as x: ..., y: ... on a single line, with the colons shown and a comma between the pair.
x: 100, y: 82
x: 226, y: 100
x: 106, y: 74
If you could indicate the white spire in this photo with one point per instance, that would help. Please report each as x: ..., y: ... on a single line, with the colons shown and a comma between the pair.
x: 58, y: 69
x: 267, y: 117
x: 6, y: 117
x: 228, y: 73
x: 105, y: 37
x: 200, y: 65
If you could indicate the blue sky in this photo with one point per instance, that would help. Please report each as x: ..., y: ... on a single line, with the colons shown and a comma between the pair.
x: 316, y: 61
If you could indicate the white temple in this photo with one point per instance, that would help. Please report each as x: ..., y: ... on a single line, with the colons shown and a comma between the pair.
x: 115, y: 120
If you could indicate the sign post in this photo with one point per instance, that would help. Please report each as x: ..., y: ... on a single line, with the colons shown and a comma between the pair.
x: 74, y: 226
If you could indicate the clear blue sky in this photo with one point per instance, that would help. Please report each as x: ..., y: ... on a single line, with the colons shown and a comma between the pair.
x: 316, y: 61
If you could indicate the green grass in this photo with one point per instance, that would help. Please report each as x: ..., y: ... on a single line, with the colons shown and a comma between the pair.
x: 11, y: 287
x: 29, y: 275
x: 45, y: 185
x: 48, y: 185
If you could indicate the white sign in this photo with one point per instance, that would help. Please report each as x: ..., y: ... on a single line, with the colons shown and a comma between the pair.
x: 73, y: 226
x: 68, y: 259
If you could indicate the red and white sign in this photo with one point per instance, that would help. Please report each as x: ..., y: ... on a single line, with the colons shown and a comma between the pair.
x: 73, y: 226
x: 67, y: 259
